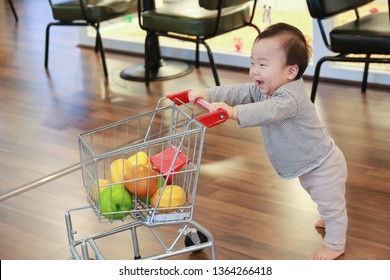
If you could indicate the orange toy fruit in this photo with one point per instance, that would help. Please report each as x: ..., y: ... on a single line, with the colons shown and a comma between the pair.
x: 141, y: 181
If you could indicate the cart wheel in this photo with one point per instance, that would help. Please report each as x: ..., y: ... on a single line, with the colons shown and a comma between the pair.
x: 189, y: 242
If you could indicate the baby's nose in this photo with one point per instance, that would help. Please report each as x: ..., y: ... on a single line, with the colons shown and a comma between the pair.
x: 254, y: 72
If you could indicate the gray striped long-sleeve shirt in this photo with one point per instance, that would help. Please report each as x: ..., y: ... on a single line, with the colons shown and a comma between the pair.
x: 294, y: 138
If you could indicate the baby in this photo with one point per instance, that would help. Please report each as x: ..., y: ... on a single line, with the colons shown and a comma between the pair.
x: 297, y: 143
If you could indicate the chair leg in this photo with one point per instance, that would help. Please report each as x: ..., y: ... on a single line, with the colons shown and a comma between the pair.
x: 316, y: 78
x: 13, y: 10
x: 255, y: 27
x: 103, y: 57
x: 365, y: 75
x: 147, y: 59
x: 97, y: 42
x: 212, y: 63
x: 197, y: 55
x: 47, y: 44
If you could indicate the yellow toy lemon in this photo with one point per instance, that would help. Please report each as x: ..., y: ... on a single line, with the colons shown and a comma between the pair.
x: 118, y: 169
x: 140, y: 158
x: 98, y: 188
x: 171, y: 196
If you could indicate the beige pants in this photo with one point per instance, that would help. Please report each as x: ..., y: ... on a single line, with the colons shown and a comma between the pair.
x: 326, y: 187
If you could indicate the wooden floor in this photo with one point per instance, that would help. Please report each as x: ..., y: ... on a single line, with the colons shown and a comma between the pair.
x: 250, y: 211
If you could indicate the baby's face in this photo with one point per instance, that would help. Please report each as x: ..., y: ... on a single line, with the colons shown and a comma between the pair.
x: 268, y: 65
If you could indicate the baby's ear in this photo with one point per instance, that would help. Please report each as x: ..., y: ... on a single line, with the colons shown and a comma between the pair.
x: 293, y: 71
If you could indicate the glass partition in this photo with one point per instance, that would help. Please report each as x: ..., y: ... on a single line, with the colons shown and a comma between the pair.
x: 233, y: 49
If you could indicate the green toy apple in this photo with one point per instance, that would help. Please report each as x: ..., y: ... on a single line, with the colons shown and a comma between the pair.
x: 115, y: 199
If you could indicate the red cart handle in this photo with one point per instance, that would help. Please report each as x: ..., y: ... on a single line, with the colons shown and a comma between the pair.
x: 209, y: 120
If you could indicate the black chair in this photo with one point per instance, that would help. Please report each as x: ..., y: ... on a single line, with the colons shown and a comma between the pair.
x: 85, y: 13
x: 13, y: 10
x: 368, y: 36
x: 194, y: 21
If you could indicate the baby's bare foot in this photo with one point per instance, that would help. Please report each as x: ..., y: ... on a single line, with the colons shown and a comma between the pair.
x: 320, y: 223
x: 326, y: 253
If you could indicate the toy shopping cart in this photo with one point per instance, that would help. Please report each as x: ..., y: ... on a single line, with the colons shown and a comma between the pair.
x: 144, y: 171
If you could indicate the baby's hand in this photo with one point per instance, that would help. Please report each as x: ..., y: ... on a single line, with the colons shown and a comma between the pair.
x: 232, y: 112
x: 198, y: 93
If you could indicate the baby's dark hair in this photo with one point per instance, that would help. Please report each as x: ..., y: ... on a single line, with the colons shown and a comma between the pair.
x: 296, y: 48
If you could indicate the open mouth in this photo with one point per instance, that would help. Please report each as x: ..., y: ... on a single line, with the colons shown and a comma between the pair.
x: 259, y: 83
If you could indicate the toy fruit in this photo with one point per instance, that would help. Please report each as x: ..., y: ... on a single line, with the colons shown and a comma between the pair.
x: 115, y: 199
x: 160, y: 183
x: 140, y: 158
x: 171, y: 196
x: 100, y: 187
x: 141, y: 181
x: 118, y: 169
